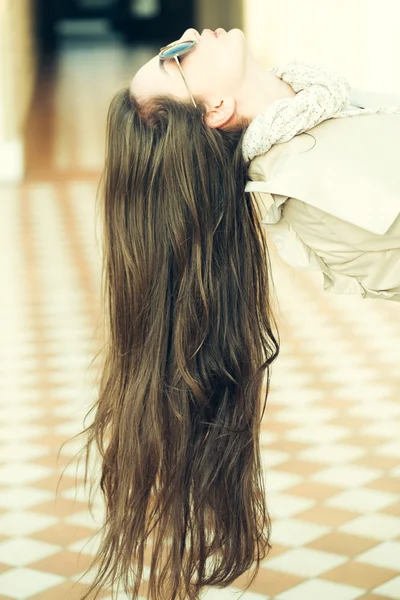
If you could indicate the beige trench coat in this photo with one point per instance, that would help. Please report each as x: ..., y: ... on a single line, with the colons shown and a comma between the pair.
x: 330, y: 200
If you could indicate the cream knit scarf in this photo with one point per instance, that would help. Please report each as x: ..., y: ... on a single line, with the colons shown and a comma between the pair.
x: 320, y: 94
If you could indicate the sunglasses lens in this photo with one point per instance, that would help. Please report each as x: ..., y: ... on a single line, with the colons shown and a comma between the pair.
x: 175, y: 50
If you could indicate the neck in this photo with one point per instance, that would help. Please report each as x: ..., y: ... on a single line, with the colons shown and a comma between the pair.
x: 259, y: 90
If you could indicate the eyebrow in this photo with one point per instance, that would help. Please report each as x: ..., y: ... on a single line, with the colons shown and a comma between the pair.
x: 162, y: 66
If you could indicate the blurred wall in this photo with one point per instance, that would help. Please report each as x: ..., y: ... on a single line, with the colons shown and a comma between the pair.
x: 18, y: 58
x: 359, y: 38
x: 211, y: 14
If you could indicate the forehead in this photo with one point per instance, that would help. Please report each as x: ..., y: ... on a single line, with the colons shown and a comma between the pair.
x: 151, y: 80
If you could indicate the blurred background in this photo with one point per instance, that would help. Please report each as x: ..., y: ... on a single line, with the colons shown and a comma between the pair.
x: 330, y: 436
x: 47, y: 48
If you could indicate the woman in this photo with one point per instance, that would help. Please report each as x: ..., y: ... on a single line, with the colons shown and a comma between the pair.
x: 191, y: 332
x: 329, y: 198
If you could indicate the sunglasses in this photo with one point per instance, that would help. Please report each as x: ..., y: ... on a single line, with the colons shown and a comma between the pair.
x: 174, y: 51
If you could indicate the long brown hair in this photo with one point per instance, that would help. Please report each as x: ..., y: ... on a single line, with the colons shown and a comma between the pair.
x: 190, y: 338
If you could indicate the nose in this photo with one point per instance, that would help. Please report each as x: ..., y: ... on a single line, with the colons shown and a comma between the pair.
x: 191, y: 33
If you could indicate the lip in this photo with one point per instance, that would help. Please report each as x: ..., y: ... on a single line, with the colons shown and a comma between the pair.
x: 210, y: 31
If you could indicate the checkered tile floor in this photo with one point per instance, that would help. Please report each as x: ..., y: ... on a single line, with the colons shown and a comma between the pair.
x: 331, y: 431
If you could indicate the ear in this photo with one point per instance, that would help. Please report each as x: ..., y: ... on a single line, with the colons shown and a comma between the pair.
x: 222, y: 112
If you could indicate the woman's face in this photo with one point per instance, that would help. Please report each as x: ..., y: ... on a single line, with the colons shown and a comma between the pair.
x: 213, y: 68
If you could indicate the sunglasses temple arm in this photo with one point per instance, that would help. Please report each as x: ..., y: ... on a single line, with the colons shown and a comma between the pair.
x: 184, y: 79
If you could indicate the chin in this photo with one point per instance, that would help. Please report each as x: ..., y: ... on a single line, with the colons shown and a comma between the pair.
x: 236, y: 30
x: 238, y: 35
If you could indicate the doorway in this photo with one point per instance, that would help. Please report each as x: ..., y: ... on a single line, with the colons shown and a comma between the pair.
x: 134, y: 20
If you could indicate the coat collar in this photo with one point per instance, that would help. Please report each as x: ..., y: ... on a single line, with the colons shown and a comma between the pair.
x: 348, y: 168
